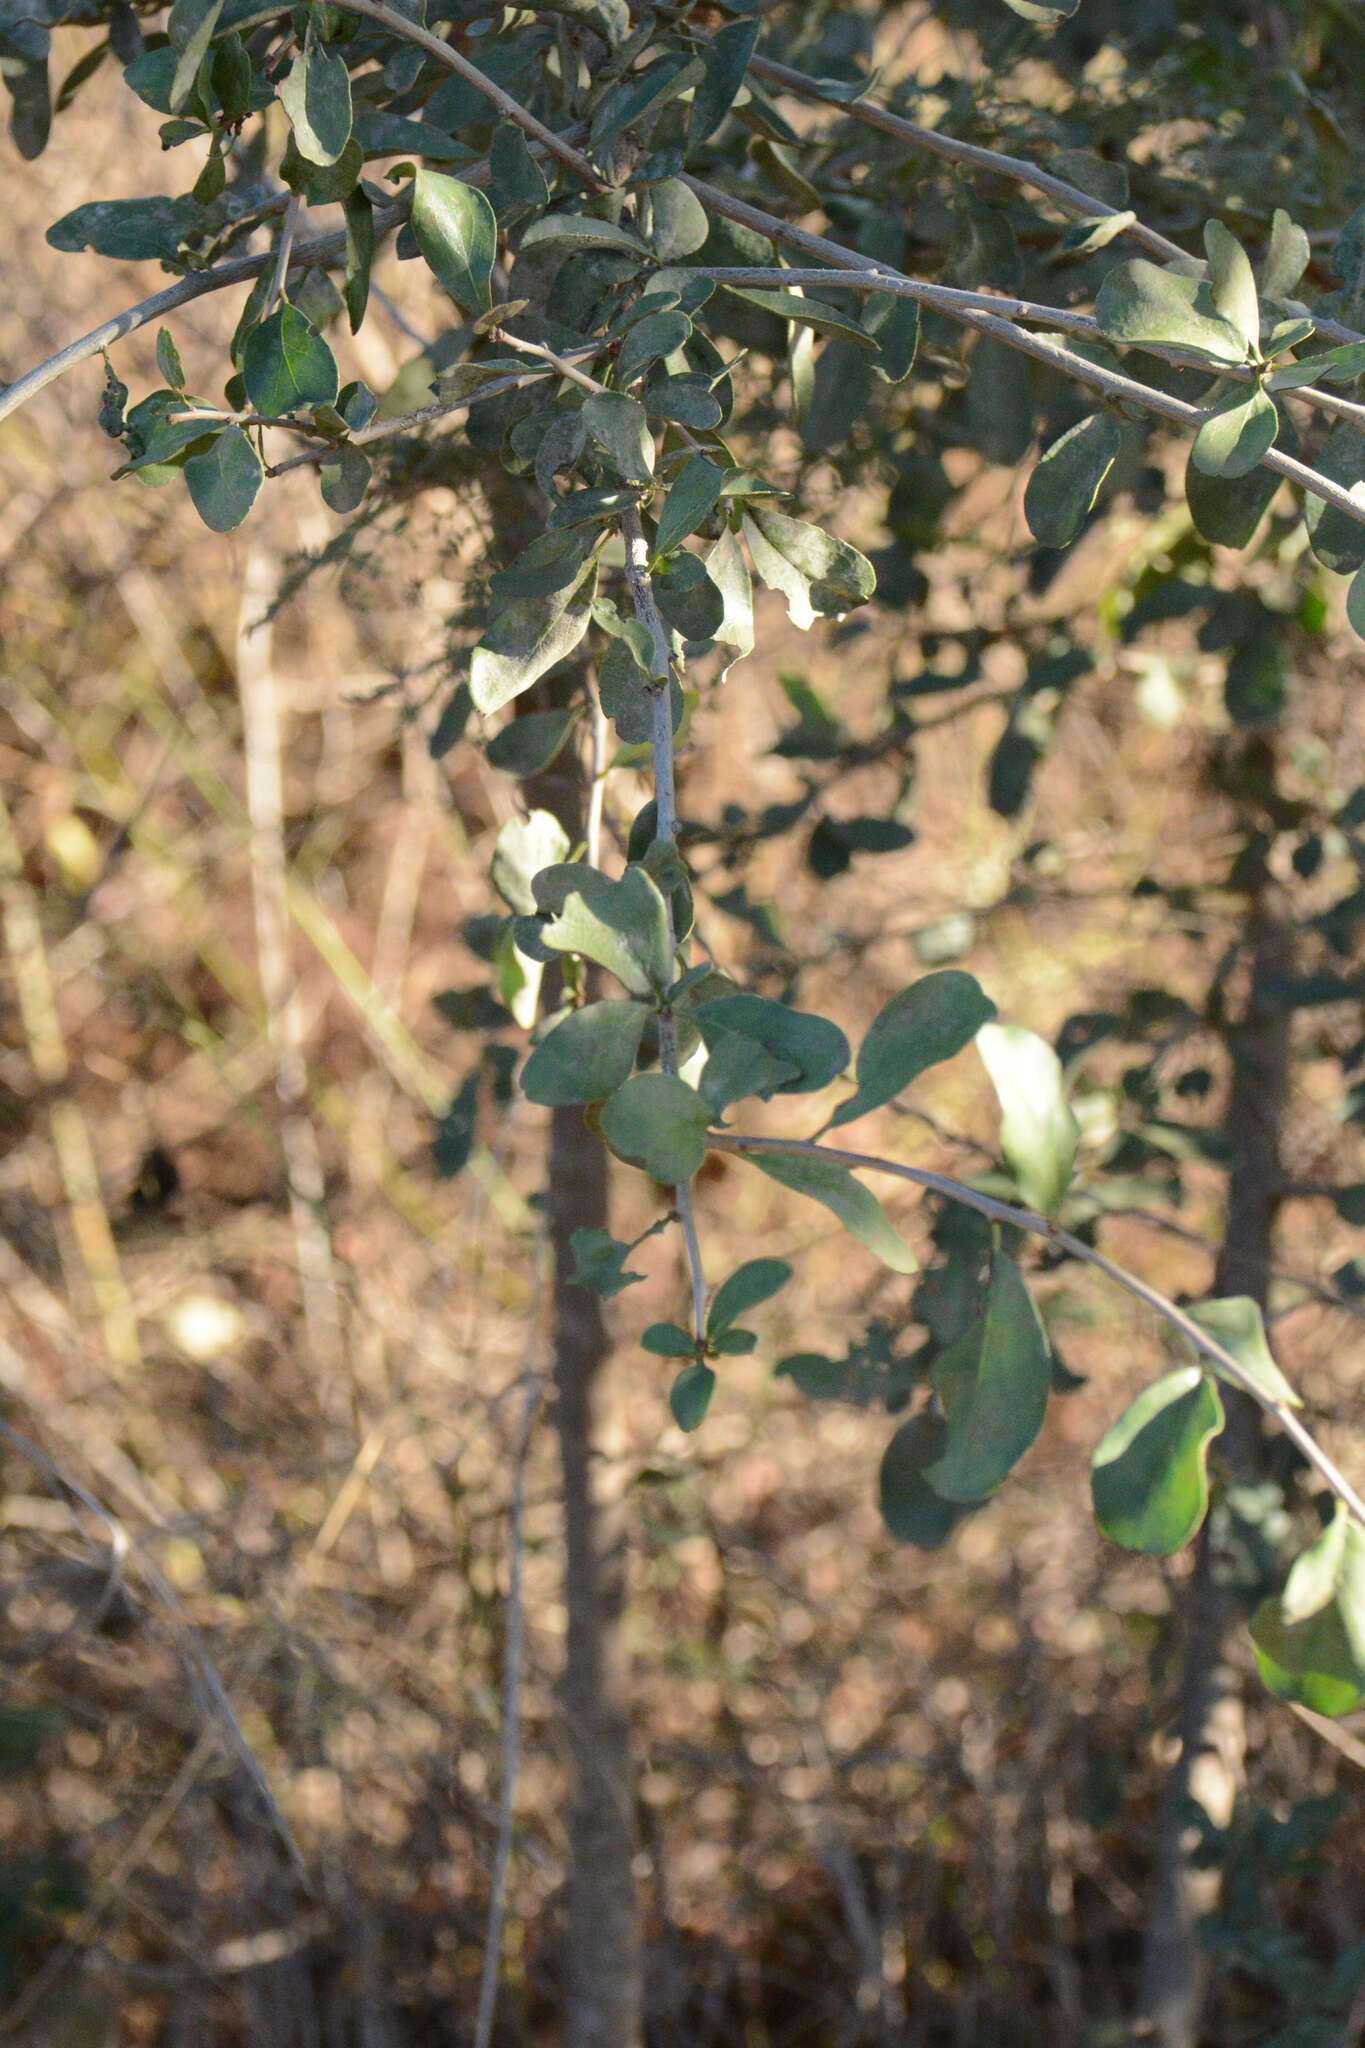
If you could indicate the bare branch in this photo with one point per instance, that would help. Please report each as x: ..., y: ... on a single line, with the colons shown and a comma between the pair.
x: 1041, y: 1226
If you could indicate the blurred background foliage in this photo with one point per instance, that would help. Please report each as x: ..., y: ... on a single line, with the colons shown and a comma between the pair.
x: 885, y: 1794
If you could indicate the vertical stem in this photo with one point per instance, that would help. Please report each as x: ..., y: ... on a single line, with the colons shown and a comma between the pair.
x: 1208, y: 1771
x: 666, y: 829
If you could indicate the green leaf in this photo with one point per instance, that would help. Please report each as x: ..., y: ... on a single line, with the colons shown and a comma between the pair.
x: 669, y: 1340
x: 1067, y: 479
x: 1336, y: 366
x: 457, y: 233
x: 857, y: 1208
x: 623, y: 925
x: 358, y: 214
x: 911, y: 1509
x: 587, y: 1056
x: 693, y: 494
x: 1235, y: 1322
x: 527, y: 638
x: 190, y: 27
x: 529, y: 744
x: 1044, y: 13
x: 582, y: 231
x: 930, y: 1021
x: 755, y: 1281
x: 1038, y: 1132
x: 515, y: 178
x: 1287, y: 257
x: 727, y: 59
x: 618, y: 426
x: 345, y: 479
x: 814, y: 313
x: 688, y: 599
x: 689, y: 1397
x: 168, y: 360
x: 679, y: 223
x: 1310, y: 1640
x: 1355, y: 603
x: 132, y: 230
x: 649, y: 340
x: 656, y: 1122
x: 1228, y: 510
x: 316, y: 95
x: 893, y: 324
x: 1139, y: 303
x: 729, y: 572
x: 523, y: 848
x: 1236, y: 434
x: 1335, y: 537
x: 1149, y: 1476
x: 224, y: 480
x: 600, y: 1263
x: 286, y: 367
x: 739, y: 1066
x: 994, y: 1383
x: 1232, y: 287
x: 816, y: 574
x: 815, y: 1047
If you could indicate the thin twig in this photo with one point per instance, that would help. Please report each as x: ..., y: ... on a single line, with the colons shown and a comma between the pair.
x: 665, y: 829
x: 288, y: 229
x: 1040, y: 1226
x: 1109, y: 383
x: 1017, y: 170
x: 512, y: 110
x: 949, y: 299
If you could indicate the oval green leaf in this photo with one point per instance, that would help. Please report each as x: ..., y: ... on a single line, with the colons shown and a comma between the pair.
x: 1235, y: 1321
x: 224, y: 480
x: 1067, y: 479
x: 1310, y: 1639
x: 457, y: 233
x: 994, y: 1383
x: 285, y: 366
x: 928, y: 1022
x: 755, y: 1281
x: 1236, y: 434
x: 1038, y: 1132
x: 656, y: 1122
x: 587, y: 1056
x: 1149, y: 1475
x: 856, y: 1207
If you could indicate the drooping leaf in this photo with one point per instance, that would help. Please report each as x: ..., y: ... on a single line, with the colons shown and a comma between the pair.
x: 224, y: 480
x: 623, y: 926
x: 457, y: 233
x: 815, y: 313
x: 1336, y: 366
x: 189, y: 28
x: 1235, y: 1321
x: 994, y: 1384
x: 358, y: 214
x: 1149, y: 1474
x: 528, y: 637
x: 814, y: 1046
x: 131, y: 230
x: 582, y: 231
x: 345, y: 479
x: 1287, y: 257
x: 515, y: 178
x: 679, y: 223
x: 1336, y: 539
x: 1228, y: 510
x: 755, y: 1281
x: 600, y: 1262
x: 525, y: 846
x: 1232, y: 287
x: 1140, y: 303
x: 1038, y: 1131
x: 1067, y: 479
x: 1236, y: 434
x: 316, y: 95
x: 729, y: 572
x: 656, y: 1122
x: 689, y: 1397
x: 816, y: 574
x: 1310, y: 1639
x: 587, y: 1056
x: 528, y: 745
x: 618, y: 426
x: 928, y: 1022
x: 285, y: 366
x: 911, y: 1509
x: 168, y: 360
x: 856, y: 1207
x: 727, y: 59
x: 894, y: 325
x: 690, y: 602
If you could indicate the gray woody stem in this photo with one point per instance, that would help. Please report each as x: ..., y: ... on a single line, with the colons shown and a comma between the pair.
x: 1025, y: 1219
x: 665, y: 828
